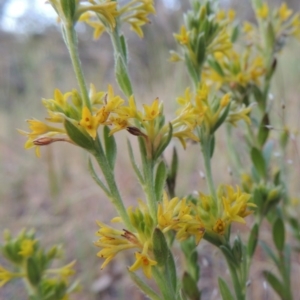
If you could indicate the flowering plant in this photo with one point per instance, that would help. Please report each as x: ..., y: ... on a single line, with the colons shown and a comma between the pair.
x: 230, y: 77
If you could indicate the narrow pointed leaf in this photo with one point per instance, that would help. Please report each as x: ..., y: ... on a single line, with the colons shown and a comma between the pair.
x: 160, y: 247
x: 134, y: 165
x: 160, y: 180
x: 252, y: 242
x: 275, y: 283
x: 96, y: 178
x: 146, y: 289
x: 190, y: 287
x: 224, y: 290
x: 279, y: 234
x: 258, y: 162
x: 110, y: 147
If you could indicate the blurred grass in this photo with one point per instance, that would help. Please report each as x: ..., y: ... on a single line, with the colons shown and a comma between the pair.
x: 55, y: 194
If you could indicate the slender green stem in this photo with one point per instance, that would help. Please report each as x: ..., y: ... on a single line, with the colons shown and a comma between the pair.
x: 239, y: 290
x: 72, y: 44
x: 233, y: 151
x: 110, y: 180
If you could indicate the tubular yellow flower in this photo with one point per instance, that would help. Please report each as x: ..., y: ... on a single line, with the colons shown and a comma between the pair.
x: 152, y: 111
x: 284, y: 13
x: 179, y: 216
x: 89, y: 122
x: 27, y: 247
x: 136, y: 14
x: 65, y: 272
x: 119, y: 124
x: 235, y: 205
x: 263, y: 11
x: 112, y: 101
x: 219, y: 227
x: 183, y: 36
x: 6, y: 276
x: 143, y: 261
x: 108, y: 10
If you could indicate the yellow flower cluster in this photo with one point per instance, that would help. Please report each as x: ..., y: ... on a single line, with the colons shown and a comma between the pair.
x: 235, y: 70
x: 232, y: 206
x: 135, y: 13
x: 181, y: 216
x: 107, y: 109
x: 285, y: 23
x: 207, y: 112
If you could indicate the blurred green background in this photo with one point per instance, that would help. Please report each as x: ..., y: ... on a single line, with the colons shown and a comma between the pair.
x: 54, y: 194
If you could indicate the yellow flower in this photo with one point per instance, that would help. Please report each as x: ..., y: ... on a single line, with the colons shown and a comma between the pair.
x: 225, y: 100
x: 99, y: 28
x: 27, y: 247
x: 6, y: 276
x: 39, y: 128
x: 284, y: 13
x: 235, y: 205
x: 112, y: 101
x: 183, y: 36
x: 178, y: 215
x: 129, y: 111
x: 107, y: 9
x: 89, y: 122
x: 143, y: 261
x: 152, y: 111
x: 219, y: 227
x: 119, y: 124
x: 263, y: 11
x: 247, y: 27
x: 65, y: 272
x: 136, y: 14
x: 231, y: 15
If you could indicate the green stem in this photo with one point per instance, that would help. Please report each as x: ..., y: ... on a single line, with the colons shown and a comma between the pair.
x: 110, y: 180
x: 239, y: 290
x: 72, y: 44
x: 232, y: 151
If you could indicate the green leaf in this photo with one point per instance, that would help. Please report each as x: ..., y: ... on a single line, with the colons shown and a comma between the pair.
x: 275, y: 283
x: 227, y: 252
x: 146, y: 289
x: 258, y: 162
x: 224, y: 290
x: 122, y: 76
x: 235, y: 34
x: 221, y: 120
x: 134, y: 165
x: 212, y: 146
x: 124, y: 47
x: 252, y: 242
x: 164, y: 144
x: 160, y: 180
x: 279, y: 234
x: 96, y: 178
x: 160, y: 247
x: 270, y: 253
x: 78, y: 137
x: 200, y: 49
x: 263, y: 132
x: 33, y: 272
x: 216, y: 66
x: 171, y: 271
x: 110, y: 147
x: 174, y: 164
x: 190, y: 287
x: 191, y: 69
